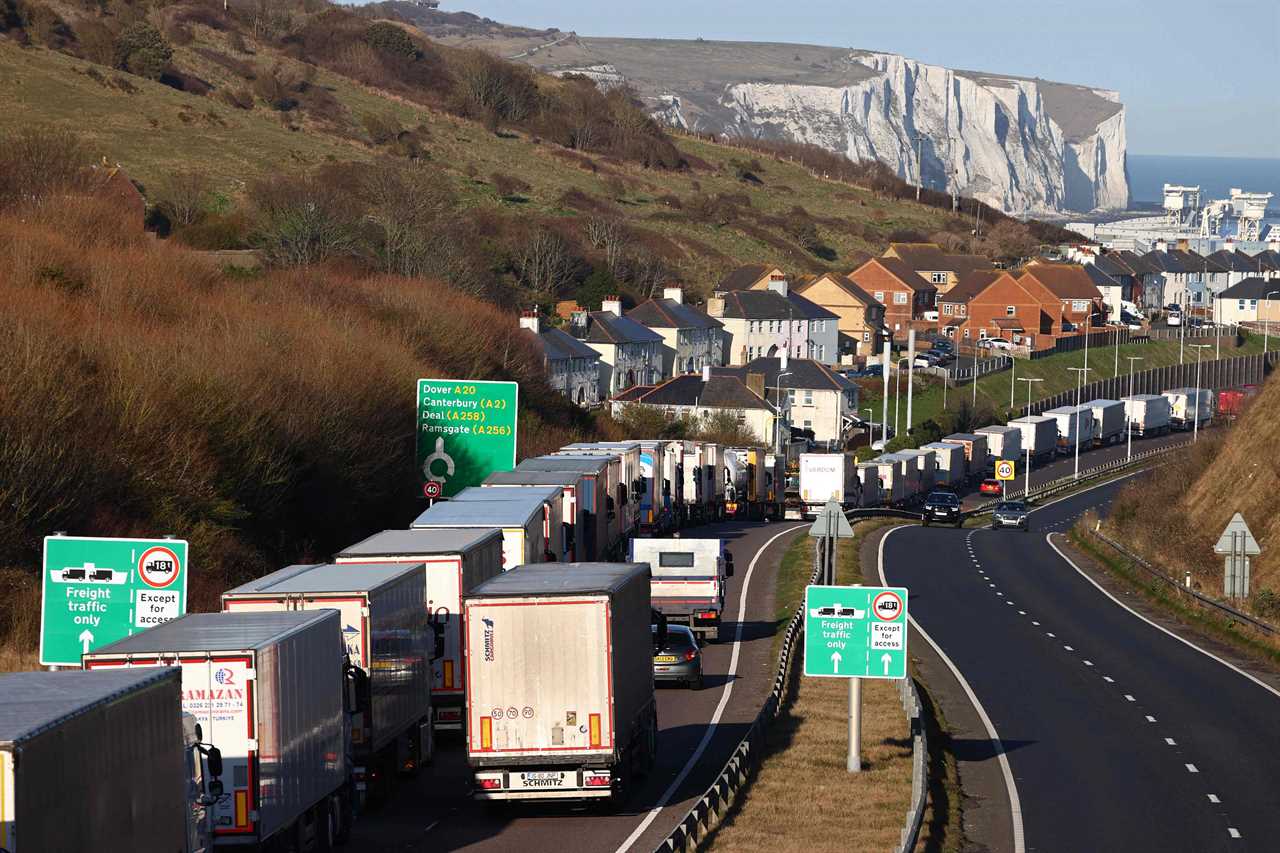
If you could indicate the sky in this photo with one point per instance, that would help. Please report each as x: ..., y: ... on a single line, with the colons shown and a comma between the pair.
x: 1195, y: 78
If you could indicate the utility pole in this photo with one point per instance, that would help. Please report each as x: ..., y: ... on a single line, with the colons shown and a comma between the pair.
x: 1026, y: 489
x: 911, y: 366
x: 1195, y: 435
x: 1012, y: 370
x: 777, y: 419
x: 1075, y: 416
x: 884, y: 416
x: 1128, y: 426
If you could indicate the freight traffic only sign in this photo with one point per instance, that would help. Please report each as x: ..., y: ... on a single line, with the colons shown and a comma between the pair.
x: 97, y: 591
x: 466, y: 430
x: 855, y: 631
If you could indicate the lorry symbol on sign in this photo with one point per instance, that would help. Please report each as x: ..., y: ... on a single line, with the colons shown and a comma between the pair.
x: 158, y: 567
x: 887, y: 606
x: 838, y: 610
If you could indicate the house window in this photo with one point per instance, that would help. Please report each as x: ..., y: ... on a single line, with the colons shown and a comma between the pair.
x: 899, y: 298
x: 982, y: 334
x: 1079, y: 305
x: 817, y: 325
x: 966, y: 334
x: 1253, y: 303
x: 879, y: 294
x: 938, y: 278
x: 866, y: 336
x: 1240, y: 304
x: 1010, y: 310
x: 822, y: 351
x: 808, y: 396
x: 791, y: 396
x: 946, y: 308
x: 808, y: 424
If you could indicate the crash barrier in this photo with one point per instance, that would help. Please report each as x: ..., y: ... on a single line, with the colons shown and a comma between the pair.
x: 1217, y: 375
x: 1063, y: 484
x: 919, y: 766
x: 709, y: 810
x: 1196, y: 597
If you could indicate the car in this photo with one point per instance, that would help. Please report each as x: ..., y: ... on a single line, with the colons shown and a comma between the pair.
x: 1174, y: 318
x: 676, y: 656
x: 996, y: 343
x: 941, y: 343
x: 931, y: 316
x: 944, y: 507
x: 926, y: 359
x: 1010, y: 514
x: 991, y: 486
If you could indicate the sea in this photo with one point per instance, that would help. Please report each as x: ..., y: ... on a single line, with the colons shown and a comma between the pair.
x: 1148, y: 173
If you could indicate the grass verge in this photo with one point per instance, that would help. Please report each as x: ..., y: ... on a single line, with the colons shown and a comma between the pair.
x: 802, y: 783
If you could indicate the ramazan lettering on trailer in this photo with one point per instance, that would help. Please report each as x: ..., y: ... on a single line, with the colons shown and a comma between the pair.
x: 198, y: 694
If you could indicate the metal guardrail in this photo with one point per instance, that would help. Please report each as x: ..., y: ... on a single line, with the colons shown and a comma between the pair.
x: 919, y: 766
x: 1198, y: 598
x: 710, y: 809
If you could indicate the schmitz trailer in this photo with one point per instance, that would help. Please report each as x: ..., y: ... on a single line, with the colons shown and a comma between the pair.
x: 384, y: 633
x: 521, y: 525
x: 560, y: 702
x: 1146, y: 414
x: 589, y: 502
x: 1108, y: 421
x: 453, y: 561
x: 1075, y: 428
x: 827, y: 477
x: 97, y: 761
x: 1040, y: 434
x: 689, y: 580
x: 268, y: 690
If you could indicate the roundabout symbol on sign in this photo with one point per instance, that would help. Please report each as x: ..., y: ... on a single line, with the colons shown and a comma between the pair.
x: 887, y: 606
x: 158, y: 567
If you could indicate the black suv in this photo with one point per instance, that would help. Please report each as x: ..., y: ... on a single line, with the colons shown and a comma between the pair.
x: 943, y: 507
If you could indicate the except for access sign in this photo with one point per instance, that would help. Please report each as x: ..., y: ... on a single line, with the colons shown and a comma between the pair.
x: 97, y: 591
x: 855, y: 631
x: 466, y: 430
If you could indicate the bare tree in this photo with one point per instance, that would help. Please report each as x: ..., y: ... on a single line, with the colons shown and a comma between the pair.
x: 183, y: 197
x: 610, y: 236
x: 647, y: 272
x: 546, y: 264
x: 408, y: 203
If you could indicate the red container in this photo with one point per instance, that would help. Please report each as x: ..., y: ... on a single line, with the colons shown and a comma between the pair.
x: 1231, y: 402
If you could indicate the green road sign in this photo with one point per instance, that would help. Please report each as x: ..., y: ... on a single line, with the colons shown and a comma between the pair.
x: 855, y: 631
x: 97, y: 591
x: 466, y: 431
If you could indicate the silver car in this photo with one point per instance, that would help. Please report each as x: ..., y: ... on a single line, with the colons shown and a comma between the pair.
x: 1010, y: 514
x: 677, y: 658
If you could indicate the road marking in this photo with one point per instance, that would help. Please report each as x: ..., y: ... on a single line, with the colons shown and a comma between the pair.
x: 1051, y: 634
x: 1273, y: 691
x: 1233, y: 832
x: 1022, y: 613
x: 1213, y: 798
x: 1150, y: 719
x: 1015, y: 804
x: 1088, y: 663
x: 1068, y: 648
x: 1001, y: 594
x: 1169, y: 741
x: 724, y: 701
x: 1108, y: 679
x: 1191, y: 768
x: 1129, y: 698
x: 1034, y: 622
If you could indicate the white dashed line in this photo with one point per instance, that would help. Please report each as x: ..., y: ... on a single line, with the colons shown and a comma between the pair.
x: 1068, y: 648
x: 1108, y: 679
x: 1051, y: 634
x: 1233, y: 832
x: 1022, y: 613
x: 1191, y: 768
x: 1088, y: 663
x: 1169, y: 741
x: 1034, y: 622
x: 1150, y: 719
x: 1129, y: 698
x: 1001, y: 594
x: 1213, y: 798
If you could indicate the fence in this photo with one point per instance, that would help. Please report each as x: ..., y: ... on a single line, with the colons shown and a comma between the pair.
x: 1218, y: 374
x: 1074, y: 342
x: 919, y: 766
x: 1194, y: 333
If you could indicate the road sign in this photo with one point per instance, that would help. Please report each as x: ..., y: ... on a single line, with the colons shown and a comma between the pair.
x: 855, y: 631
x: 1242, y: 542
x: 431, y: 489
x: 96, y: 591
x: 831, y: 521
x: 466, y: 430
x: 1006, y: 469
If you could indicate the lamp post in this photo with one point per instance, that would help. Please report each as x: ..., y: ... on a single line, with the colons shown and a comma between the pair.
x: 1075, y: 416
x: 1266, y: 321
x: 1195, y: 435
x: 1012, y: 372
x: 777, y: 420
x: 897, y: 393
x: 1026, y: 489
x: 1128, y: 426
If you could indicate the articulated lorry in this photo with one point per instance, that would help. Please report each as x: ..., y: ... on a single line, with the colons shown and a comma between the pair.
x: 827, y: 477
x: 573, y: 520
x: 102, y: 761
x: 453, y: 561
x: 1039, y: 436
x: 689, y: 581
x: 1108, y: 421
x: 660, y: 500
x: 950, y: 467
x: 975, y: 452
x: 389, y: 647
x: 560, y: 701
x: 1189, y: 407
x: 1147, y: 414
x: 270, y: 690
x: 590, y: 501
x: 1075, y: 428
x: 522, y: 525
x: 1004, y: 443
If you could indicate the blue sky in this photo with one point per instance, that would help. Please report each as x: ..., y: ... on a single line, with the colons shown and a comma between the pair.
x: 1196, y: 78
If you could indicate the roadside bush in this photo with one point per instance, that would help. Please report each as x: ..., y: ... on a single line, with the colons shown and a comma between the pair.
x: 36, y: 162
x: 509, y: 186
x: 303, y: 221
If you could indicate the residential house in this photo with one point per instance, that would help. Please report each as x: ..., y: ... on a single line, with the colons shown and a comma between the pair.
x: 953, y: 306
x: 939, y: 268
x: 903, y: 293
x: 1183, y: 275
x: 766, y: 323
x: 630, y: 353
x: 859, y: 315
x: 1113, y: 292
x: 573, y: 368
x: 1018, y: 309
x: 701, y: 394
x: 1253, y: 300
x: 1070, y: 284
x: 1123, y: 270
x: 807, y: 394
x: 691, y: 340
x: 1237, y: 265
x: 750, y: 277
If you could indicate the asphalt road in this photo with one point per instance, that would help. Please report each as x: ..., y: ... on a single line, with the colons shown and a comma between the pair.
x: 1119, y: 736
x: 434, y: 812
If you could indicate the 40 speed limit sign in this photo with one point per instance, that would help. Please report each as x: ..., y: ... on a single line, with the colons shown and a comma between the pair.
x: 1006, y: 469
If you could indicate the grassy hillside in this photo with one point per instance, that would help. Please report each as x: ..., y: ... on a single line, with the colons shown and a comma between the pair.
x: 1175, y: 516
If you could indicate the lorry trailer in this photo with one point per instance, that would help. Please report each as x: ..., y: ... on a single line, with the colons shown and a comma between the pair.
x: 1108, y: 421
x: 827, y: 477
x: 547, y: 724
x: 630, y: 483
x: 1146, y: 414
x: 590, y: 502
x: 551, y: 499
x: 268, y: 690
x: 949, y: 462
x: 388, y: 644
x: 453, y: 561
x: 573, y: 520
x: 689, y: 581
x: 660, y: 470
x: 1189, y: 407
x: 521, y: 524
x: 1004, y: 443
x: 1075, y: 428
x: 1039, y: 436
x: 975, y: 452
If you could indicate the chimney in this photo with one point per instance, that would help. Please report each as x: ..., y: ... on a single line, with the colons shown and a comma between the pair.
x: 675, y: 294
x: 611, y: 305
x: 706, y: 373
x: 715, y: 306
x: 778, y: 284
x: 755, y: 381
x: 1230, y: 245
x: 529, y: 320
x: 783, y: 359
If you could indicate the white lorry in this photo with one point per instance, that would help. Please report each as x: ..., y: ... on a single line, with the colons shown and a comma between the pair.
x: 689, y: 580
x: 1146, y: 414
x: 521, y: 524
x: 552, y: 500
x: 1003, y: 443
x: 1039, y: 436
x: 1189, y: 407
x: 560, y: 701
x: 827, y: 477
x: 590, y: 501
x: 453, y: 561
x: 102, y: 761
x: 1075, y: 428
x: 270, y: 691
x: 389, y: 647
x: 1108, y: 421
x: 950, y: 467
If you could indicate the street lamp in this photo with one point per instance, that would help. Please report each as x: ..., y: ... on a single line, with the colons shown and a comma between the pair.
x: 1199, y: 348
x: 1080, y: 374
x: 1266, y: 321
x: 777, y: 419
x: 1012, y: 371
x: 1026, y: 489
x: 1128, y: 426
x: 897, y: 393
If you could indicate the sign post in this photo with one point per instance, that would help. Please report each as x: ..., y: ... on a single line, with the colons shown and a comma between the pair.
x: 1238, y: 544
x: 96, y: 591
x: 466, y: 430
x: 1006, y: 471
x: 855, y: 632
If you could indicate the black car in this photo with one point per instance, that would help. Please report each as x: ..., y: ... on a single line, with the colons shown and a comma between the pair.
x: 943, y: 507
